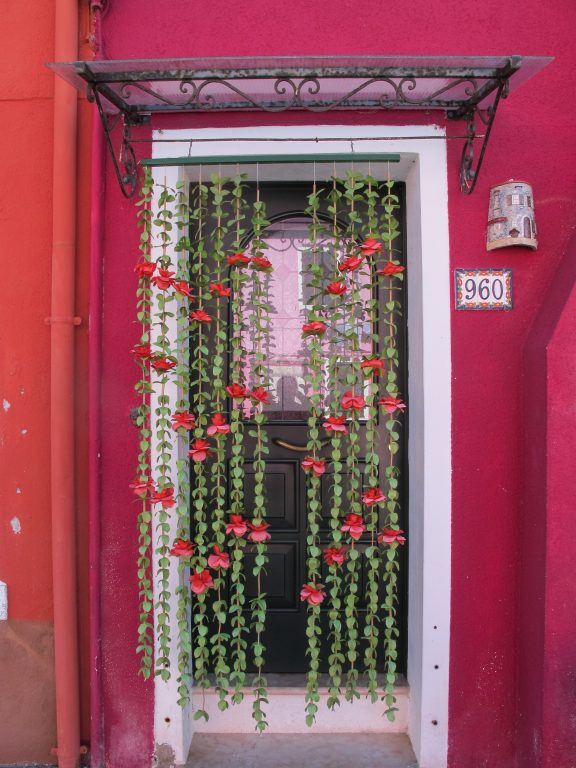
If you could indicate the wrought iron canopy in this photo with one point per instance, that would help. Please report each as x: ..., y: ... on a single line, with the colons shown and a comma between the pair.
x: 467, y: 88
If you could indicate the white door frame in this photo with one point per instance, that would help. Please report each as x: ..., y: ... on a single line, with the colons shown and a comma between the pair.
x: 423, y: 167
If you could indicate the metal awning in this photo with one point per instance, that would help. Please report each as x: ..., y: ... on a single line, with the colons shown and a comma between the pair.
x: 464, y: 87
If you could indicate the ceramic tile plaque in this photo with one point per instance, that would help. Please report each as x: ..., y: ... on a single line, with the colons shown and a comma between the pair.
x: 483, y: 288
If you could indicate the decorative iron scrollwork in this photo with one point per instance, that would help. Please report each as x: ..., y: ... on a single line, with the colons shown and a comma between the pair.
x: 469, y: 173
x: 460, y: 92
x: 125, y: 165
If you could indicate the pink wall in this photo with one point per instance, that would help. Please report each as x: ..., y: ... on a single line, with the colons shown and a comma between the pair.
x: 533, y: 140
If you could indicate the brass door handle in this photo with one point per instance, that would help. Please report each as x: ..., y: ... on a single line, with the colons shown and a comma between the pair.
x: 293, y: 447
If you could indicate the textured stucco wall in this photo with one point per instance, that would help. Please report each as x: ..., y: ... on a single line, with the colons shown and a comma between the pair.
x: 27, y: 715
x: 532, y: 140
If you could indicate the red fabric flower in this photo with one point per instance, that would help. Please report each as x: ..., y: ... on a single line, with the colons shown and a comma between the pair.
x: 334, y: 555
x: 260, y: 395
x: 183, y: 420
x: 391, y: 404
x: 164, y: 496
x: 317, y: 466
x: 199, y: 316
x: 200, y: 582
x: 373, y: 496
x: 199, y: 450
x: 141, y: 351
x: 336, y: 424
x: 182, y: 287
x: 350, y: 264
x: 237, y: 525
x: 391, y: 269
x: 162, y: 364
x: 354, y: 525
x: 336, y: 288
x: 372, y: 365
x: 182, y: 548
x: 237, y: 391
x: 163, y: 280
x: 218, y: 426
x: 315, y: 328
x: 391, y: 536
x: 219, y: 289
x: 258, y: 533
x: 219, y: 559
x: 238, y: 259
x: 261, y: 262
x: 145, y: 268
x: 313, y: 594
x: 351, y: 402
x: 370, y: 246
x: 142, y: 486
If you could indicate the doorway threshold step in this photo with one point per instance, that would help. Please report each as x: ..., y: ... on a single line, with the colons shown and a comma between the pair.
x: 317, y: 750
x: 285, y: 713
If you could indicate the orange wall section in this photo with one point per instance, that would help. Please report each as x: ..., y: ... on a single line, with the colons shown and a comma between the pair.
x: 27, y: 727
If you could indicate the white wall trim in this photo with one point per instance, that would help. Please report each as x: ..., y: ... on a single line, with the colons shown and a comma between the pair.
x: 424, y: 169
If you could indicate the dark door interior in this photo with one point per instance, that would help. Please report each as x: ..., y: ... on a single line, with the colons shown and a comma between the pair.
x: 285, y: 637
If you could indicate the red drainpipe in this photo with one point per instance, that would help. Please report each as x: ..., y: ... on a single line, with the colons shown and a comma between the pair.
x: 62, y: 322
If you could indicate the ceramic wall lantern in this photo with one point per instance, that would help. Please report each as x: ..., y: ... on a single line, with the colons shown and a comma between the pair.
x: 511, y: 216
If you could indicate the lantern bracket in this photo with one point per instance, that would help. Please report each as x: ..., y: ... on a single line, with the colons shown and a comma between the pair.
x: 469, y: 88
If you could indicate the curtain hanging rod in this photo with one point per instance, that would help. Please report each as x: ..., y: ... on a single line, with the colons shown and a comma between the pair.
x: 285, y: 139
x: 344, y: 157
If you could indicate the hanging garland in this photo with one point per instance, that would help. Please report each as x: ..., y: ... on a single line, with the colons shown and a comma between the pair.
x: 217, y: 293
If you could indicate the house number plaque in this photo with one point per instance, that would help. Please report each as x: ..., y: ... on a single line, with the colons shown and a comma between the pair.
x: 483, y: 288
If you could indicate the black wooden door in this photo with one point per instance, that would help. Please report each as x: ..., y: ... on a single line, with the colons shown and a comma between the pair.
x: 285, y: 482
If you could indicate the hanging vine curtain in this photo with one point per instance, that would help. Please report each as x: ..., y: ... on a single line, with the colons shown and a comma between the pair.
x: 204, y: 307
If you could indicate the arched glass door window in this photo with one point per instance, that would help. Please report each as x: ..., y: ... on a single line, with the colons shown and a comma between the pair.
x: 290, y: 250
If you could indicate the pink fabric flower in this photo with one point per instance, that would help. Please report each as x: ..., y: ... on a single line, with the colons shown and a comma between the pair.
x: 336, y: 424
x: 260, y: 395
x: 370, y: 246
x: 163, y: 280
x: 238, y: 259
x: 334, y: 555
x: 336, y: 288
x: 391, y: 404
x: 182, y: 287
x: 261, y: 262
x: 352, y: 402
x: 315, y: 328
x: 317, y: 466
x: 162, y: 364
x: 258, y: 532
x: 217, y: 289
x: 141, y: 486
x: 391, y: 536
x: 164, y: 496
x: 350, y: 264
x: 183, y: 420
x: 237, y: 391
x: 373, y: 496
x: 237, y: 526
x: 199, y: 316
x: 218, y: 426
x: 354, y: 525
x: 313, y: 594
x: 372, y: 365
x: 200, y: 582
x: 218, y: 559
x: 182, y: 548
x: 390, y: 269
x: 199, y: 450
x: 145, y: 268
